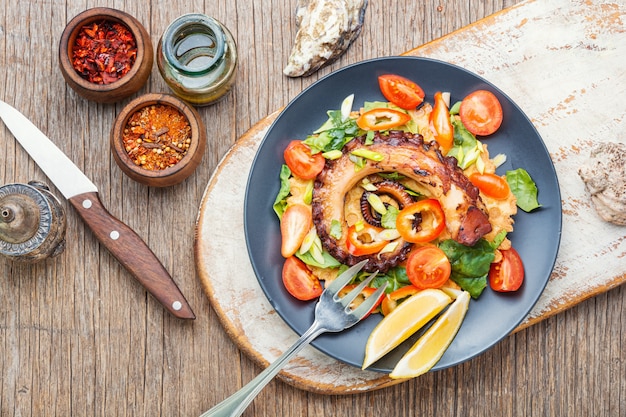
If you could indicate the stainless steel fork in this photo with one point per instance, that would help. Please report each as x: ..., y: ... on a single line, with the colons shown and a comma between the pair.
x: 332, y: 314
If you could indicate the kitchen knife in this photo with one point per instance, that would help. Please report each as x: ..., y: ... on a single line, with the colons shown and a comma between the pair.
x: 123, y: 243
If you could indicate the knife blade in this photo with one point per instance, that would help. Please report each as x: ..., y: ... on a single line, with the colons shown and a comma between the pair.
x: 120, y: 240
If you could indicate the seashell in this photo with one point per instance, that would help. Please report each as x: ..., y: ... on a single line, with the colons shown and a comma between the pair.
x: 326, y: 28
x: 605, y: 180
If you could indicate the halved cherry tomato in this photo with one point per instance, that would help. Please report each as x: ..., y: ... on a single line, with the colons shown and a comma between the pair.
x: 428, y: 267
x: 481, y: 112
x: 391, y: 301
x: 299, y: 280
x: 491, y: 185
x: 508, y: 274
x: 401, y: 91
x: 364, y: 240
x: 294, y: 226
x: 301, y: 162
x: 365, y: 293
x: 382, y: 119
x: 421, y: 221
x: 440, y: 119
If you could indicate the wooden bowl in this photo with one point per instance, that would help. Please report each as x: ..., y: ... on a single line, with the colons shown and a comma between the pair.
x: 169, y: 175
x: 125, y: 86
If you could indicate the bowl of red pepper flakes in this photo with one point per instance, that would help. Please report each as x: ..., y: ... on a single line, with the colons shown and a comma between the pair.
x: 105, y: 54
x: 158, y: 140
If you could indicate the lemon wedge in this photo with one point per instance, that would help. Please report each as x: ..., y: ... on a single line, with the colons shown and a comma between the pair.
x: 402, y: 322
x: 434, y: 342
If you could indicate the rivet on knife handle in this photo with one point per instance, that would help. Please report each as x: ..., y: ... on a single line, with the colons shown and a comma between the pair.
x: 133, y: 253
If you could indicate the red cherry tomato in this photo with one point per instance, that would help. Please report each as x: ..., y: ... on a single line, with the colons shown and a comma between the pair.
x: 491, y: 185
x: 401, y: 91
x: 440, y: 119
x: 481, y: 113
x: 421, y: 221
x: 428, y: 267
x: 294, y: 226
x: 364, y: 240
x: 382, y: 119
x: 301, y: 162
x: 508, y: 274
x: 391, y: 301
x: 299, y: 280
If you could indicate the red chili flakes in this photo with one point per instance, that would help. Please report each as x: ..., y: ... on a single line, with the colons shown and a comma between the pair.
x: 104, y: 52
x: 157, y: 137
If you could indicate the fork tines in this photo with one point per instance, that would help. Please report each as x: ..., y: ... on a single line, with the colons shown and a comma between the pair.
x: 344, y: 279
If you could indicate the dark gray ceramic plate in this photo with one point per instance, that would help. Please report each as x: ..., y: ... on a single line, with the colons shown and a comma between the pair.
x: 536, y: 236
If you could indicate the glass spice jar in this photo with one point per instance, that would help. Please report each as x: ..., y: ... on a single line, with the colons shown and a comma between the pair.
x: 197, y: 58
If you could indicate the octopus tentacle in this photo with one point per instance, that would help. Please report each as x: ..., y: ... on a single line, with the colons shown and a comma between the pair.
x: 386, y: 187
x: 409, y: 155
x: 366, y: 210
x: 394, y: 189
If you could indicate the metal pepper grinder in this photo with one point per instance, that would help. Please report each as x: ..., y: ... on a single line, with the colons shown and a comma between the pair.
x: 32, y: 222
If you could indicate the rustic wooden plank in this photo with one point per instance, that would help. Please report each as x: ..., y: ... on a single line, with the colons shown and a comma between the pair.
x: 79, y: 337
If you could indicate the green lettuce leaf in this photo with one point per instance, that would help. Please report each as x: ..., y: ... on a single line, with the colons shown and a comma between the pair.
x: 329, y: 261
x: 466, y: 148
x: 280, y: 203
x: 333, y: 134
x: 455, y: 108
x: 470, y: 264
x: 524, y: 188
x: 388, y: 220
x: 396, y: 278
x: 474, y: 286
x: 335, y: 229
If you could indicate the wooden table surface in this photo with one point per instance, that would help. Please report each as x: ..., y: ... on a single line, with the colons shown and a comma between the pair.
x: 79, y: 336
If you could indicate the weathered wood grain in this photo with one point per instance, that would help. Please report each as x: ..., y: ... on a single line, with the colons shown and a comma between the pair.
x: 78, y: 336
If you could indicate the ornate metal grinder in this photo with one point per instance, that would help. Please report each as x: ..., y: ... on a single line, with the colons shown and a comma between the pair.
x: 32, y: 222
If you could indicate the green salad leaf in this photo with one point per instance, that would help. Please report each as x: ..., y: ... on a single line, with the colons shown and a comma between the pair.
x: 335, y: 229
x: 329, y: 261
x: 396, y: 278
x: 466, y: 149
x: 333, y: 134
x: 470, y: 264
x: 394, y: 176
x: 455, y: 108
x: 524, y: 188
x: 280, y: 203
x: 388, y: 220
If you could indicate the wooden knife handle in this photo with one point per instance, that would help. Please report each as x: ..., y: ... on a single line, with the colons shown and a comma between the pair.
x: 133, y: 253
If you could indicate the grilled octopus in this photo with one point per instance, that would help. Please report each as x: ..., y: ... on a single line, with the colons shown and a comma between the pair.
x: 408, y: 155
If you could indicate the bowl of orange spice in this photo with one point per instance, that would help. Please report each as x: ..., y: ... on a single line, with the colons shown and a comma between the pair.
x: 158, y: 140
x: 105, y: 54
